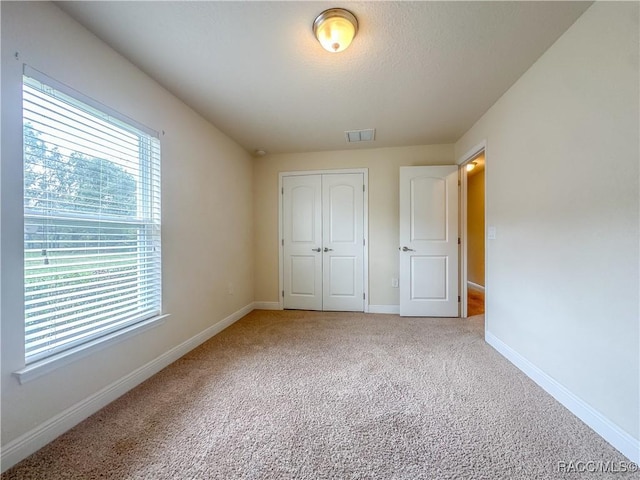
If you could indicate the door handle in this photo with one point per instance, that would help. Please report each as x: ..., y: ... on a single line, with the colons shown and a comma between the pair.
x: 316, y: 249
x: 328, y: 249
x: 407, y: 249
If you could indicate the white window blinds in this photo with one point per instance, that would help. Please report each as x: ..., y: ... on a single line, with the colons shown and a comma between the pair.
x: 91, y: 219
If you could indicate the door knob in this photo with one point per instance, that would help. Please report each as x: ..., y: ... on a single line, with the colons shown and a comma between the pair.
x: 316, y: 249
x: 407, y: 249
x: 328, y: 249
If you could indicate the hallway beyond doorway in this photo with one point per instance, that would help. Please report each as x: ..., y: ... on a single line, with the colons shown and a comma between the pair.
x: 475, y: 302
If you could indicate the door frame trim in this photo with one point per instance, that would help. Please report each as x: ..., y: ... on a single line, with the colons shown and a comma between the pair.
x: 365, y: 206
x: 464, y: 254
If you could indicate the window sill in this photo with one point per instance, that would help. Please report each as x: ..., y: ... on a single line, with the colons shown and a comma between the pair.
x: 42, y: 367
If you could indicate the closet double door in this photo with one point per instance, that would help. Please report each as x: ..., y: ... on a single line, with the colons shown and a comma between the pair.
x: 323, y: 241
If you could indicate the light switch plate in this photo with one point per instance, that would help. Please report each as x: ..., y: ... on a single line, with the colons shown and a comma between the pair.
x: 491, y: 232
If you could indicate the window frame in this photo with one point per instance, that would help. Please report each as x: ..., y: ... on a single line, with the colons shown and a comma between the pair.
x: 149, y: 174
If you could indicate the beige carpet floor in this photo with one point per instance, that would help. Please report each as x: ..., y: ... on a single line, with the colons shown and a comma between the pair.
x: 311, y: 395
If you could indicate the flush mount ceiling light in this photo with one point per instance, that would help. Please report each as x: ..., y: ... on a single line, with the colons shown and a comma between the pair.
x: 471, y: 166
x: 335, y: 29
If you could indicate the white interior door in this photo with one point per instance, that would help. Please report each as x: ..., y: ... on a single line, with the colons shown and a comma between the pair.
x: 343, y: 249
x: 429, y: 241
x: 323, y: 242
x: 302, y: 235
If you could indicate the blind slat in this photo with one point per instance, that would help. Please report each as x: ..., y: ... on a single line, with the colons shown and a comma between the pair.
x: 94, y: 305
x: 55, y: 270
x: 35, y: 287
x: 72, y: 298
x: 82, y: 324
x: 42, y: 294
x: 42, y: 349
x: 122, y: 258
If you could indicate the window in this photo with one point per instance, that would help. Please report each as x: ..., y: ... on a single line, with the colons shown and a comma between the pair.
x: 91, y: 219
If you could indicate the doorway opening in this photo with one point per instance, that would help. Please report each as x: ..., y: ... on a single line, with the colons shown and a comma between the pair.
x: 473, y: 228
x: 475, y: 236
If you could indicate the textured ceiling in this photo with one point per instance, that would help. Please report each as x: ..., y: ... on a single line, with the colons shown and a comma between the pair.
x: 418, y: 72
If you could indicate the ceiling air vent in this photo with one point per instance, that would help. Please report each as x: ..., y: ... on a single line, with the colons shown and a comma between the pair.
x: 367, y: 135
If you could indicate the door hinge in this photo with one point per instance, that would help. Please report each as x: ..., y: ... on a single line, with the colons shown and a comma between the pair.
x: 283, y: 293
x: 282, y: 190
x: 459, y: 183
x: 363, y: 242
x: 458, y: 240
x: 364, y: 297
x: 283, y: 242
x: 458, y: 298
x: 363, y: 188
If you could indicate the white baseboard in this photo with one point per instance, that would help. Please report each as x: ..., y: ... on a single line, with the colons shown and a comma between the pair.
x: 266, y: 306
x: 389, y: 309
x: 475, y: 286
x: 618, y: 438
x: 30, y: 442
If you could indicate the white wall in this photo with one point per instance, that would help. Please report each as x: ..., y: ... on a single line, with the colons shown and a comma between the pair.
x: 383, y: 165
x: 206, y: 200
x: 562, y: 191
